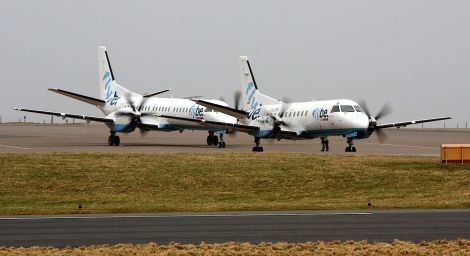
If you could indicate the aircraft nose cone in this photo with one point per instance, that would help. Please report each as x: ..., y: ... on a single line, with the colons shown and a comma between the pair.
x: 358, y: 120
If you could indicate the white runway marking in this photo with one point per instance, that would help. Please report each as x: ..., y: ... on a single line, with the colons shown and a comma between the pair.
x: 398, y: 145
x: 6, y: 146
x: 182, y: 216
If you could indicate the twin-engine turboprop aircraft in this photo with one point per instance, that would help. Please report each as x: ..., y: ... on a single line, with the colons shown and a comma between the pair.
x: 264, y: 117
x: 125, y: 110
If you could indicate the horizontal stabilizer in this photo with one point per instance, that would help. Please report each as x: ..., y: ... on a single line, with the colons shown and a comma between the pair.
x: 155, y: 93
x: 403, y: 124
x: 214, y: 124
x: 87, y: 99
x: 65, y: 115
x: 240, y: 114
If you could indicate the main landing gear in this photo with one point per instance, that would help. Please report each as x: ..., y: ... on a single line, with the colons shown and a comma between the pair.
x: 113, y: 140
x: 257, y: 148
x: 351, y: 147
x: 213, y: 140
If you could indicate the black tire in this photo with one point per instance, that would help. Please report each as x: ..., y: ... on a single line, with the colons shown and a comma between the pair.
x: 260, y: 149
x: 110, y: 141
x: 255, y: 149
x: 209, y: 140
x: 348, y: 149
x: 223, y: 144
x: 117, y: 140
x: 215, y: 140
x: 353, y: 149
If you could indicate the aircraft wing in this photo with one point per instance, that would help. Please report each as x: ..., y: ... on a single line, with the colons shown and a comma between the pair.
x: 87, y: 99
x: 403, y: 124
x: 63, y: 115
x: 240, y: 114
x: 214, y: 124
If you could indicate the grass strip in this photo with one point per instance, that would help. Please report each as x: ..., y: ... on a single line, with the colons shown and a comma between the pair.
x: 53, y: 183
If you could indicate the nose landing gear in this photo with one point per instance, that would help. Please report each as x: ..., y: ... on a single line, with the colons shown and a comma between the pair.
x: 257, y: 148
x: 350, y: 147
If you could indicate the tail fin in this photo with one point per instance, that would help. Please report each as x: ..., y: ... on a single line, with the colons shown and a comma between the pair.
x: 251, y: 97
x: 110, y: 91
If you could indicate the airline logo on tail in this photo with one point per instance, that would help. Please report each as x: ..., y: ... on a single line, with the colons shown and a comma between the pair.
x: 250, y: 94
x: 108, y: 93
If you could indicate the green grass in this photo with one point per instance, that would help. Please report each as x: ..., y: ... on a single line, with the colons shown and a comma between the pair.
x: 59, y: 182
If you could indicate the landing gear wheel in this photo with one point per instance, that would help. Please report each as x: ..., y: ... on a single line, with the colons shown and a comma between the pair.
x: 215, y: 140
x: 347, y: 149
x: 350, y: 149
x: 257, y: 149
x: 117, y: 141
x: 209, y: 140
x: 353, y: 149
x: 110, y: 141
x: 222, y: 144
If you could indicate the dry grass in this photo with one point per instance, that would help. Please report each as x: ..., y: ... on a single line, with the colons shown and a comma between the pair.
x: 459, y: 247
x: 103, y: 183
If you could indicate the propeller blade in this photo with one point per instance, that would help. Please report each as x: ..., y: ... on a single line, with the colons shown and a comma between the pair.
x: 284, y: 106
x: 236, y: 99
x: 386, y: 109
x: 364, y: 107
x: 381, y: 136
x: 232, y: 134
x: 143, y: 132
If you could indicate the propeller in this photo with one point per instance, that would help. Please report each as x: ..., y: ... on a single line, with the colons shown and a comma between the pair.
x: 384, y: 111
x: 136, y: 107
x: 237, y: 96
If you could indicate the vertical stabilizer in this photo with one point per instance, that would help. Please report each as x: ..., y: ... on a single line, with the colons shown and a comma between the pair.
x: 251, y: 97
x: 110, y: 91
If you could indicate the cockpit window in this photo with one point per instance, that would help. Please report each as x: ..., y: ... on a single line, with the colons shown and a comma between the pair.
x: 208, y: 110
x: 335, y: 109
x: 347, y: 108
x: 358, y: 108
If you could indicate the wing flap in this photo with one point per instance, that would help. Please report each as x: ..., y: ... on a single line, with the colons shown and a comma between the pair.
x: 403, y: 124
x: 214, y: 124
x: 64, y: 115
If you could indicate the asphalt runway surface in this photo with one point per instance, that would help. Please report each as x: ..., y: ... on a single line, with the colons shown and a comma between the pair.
x: 255, y: 227
x: 93, y: 138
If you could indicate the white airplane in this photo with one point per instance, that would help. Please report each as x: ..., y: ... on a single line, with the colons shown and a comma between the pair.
x: 125, y: 110
x: 267, y: 118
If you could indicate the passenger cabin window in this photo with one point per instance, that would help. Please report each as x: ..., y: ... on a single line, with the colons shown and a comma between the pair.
x: 335, y: 109
x: 347, y: 108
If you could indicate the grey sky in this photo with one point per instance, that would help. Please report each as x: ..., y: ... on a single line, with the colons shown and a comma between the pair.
x: 414, y: 55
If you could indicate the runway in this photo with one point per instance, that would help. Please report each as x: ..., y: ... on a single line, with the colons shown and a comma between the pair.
x: 93, y: 138
x: 255, y: 227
